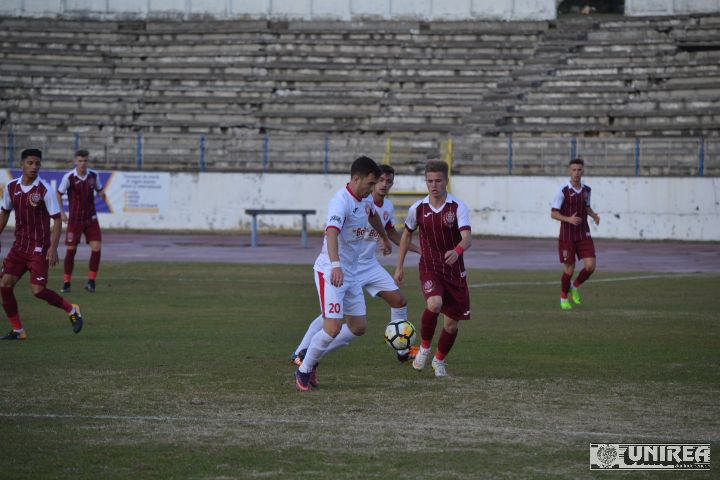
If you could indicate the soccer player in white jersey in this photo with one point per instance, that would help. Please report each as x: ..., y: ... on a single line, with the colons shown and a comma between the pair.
x: 371, y: 275
x: 341, y: 296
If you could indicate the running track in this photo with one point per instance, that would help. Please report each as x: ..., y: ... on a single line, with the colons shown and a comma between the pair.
x: 491, y: 253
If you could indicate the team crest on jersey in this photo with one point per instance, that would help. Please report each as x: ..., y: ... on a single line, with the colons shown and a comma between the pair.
x: 428, y: 286
x: 367, y: 209
x: 449, y: 219
x: 386, y: 215
x: 91, y: 182
x: 34, y: 199
x: 585, y: 196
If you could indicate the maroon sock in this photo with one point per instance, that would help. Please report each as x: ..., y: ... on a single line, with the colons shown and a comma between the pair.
x: 582, y: 276
x: 69, y: 262
x: 427, y: 327
x: 445, y: 344
x: 10, y: 306
x: 54, y: 299
x: 565, y: 285
x: 94, y: 264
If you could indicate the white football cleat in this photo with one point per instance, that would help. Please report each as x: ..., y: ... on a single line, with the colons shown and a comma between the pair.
x: 439, y: 367
x: 421, y: 358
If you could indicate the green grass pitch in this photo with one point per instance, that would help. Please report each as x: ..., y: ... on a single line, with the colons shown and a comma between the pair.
x: 182, y: 371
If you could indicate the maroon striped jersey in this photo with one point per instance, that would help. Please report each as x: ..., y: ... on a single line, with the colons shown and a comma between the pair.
x: 34, y: 206
x: 568, y: 201
x: 439, y: 232
x: 81, y: 195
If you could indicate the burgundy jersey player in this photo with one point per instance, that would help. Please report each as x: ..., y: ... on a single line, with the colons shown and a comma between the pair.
x: 571, y: 207
x: 444, y: 224
x: 81, y: 184
x: 35, y: 245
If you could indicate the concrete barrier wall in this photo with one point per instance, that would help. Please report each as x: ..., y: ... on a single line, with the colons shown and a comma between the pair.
x: 630, y: 208
x: 670, y: 7
x: 296, y: 9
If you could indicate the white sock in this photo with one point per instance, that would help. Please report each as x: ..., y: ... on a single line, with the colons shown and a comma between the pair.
x: 313, y: 328
x: 398, y: 314
x: 343, y: 338
x: 318, y: 344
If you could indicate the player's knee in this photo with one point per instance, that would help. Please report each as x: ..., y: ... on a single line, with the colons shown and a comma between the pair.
x: 451, y: 328
x: 590, y: 268
x: 332, y: 331
x: 434, y: 304
x: 358, y: 330
x: 37, y: 290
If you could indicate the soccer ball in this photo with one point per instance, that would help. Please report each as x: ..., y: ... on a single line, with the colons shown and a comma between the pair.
x: 400, y: 335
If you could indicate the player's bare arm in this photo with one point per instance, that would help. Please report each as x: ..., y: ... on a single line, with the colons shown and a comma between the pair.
x: 4, y: 216
x: 395, y: 238
x: 336, y: 275
x: 63, y: 216
x: 52, y: 254
x: 593, y: 215
x: 376, y: 223
x: 451, y: 256
x: 573, y: 219
x: 404, y: 247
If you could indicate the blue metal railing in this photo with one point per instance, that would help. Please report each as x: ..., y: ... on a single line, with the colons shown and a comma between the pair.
x: 696, y: 153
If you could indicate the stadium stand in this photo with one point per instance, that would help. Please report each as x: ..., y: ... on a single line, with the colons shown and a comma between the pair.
x: 314, y: 87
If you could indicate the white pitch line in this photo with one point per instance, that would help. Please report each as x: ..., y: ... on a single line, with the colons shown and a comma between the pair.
x: 227, y: 420
x: 554, y: 282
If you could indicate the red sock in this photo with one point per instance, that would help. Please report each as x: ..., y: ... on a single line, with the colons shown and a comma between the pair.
x: 10, y: 306
x: 445, y: 344
x: 582, y: 276
x: 54, y: 299
x: 427, y: 327
x: 94, y: 264
x: 565, y: 285
x: 69, y: 263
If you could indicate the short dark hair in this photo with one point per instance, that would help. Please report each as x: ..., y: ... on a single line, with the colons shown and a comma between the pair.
x: 365, y: 166
x: 387, y: 169
x: 437, y: 166
x: 30, y: 152
x: 82, y: 153
x: 577, y: 161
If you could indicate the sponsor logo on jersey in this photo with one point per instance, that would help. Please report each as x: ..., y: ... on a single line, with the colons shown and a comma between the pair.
x: 449, y: 219
x: 34, y: 199
x: 428, y: 286
x: 427, y: 214
x: 335, y: 218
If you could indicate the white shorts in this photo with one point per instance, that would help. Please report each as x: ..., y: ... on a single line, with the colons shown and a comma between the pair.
x: 375, y: 279
x: 336, y: 302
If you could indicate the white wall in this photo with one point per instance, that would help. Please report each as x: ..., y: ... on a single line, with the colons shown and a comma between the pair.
x: 629, y: 207
x: 300, y: 9
x: 670, y: 7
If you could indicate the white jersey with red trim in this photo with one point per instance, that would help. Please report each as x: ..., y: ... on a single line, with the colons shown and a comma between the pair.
x: 349, y: 215
x: 371, y: 241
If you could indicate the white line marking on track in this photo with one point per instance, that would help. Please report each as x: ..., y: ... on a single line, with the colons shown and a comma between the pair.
x: 555, y: 282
